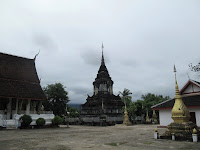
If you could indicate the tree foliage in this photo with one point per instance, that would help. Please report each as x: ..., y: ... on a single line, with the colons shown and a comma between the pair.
x: 147, y: 101
x: 57, y: 120
x: 73, y: 112
x: 40, y: 122
x: 195, y: 68
x: 25, y: 120
x: 57, y: 98
x: 126, y: 98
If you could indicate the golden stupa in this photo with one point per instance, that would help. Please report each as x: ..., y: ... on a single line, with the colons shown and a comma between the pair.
x: 126, y: 120
x: 155, y: 120
x: 147, y: 117
x: 181, y: 127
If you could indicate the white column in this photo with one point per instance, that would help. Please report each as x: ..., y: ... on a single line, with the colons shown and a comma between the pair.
x: 9, y: 108
x: 28, y: 107
x: 34, y: 107
x: 39, y: 107
x: 16, y: 109
x: 111, y: 89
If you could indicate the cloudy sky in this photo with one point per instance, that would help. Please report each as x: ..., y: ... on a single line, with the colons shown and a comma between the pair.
x: 142, y: 39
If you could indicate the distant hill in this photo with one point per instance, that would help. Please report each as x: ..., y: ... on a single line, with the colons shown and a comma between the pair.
x: 77, y: 106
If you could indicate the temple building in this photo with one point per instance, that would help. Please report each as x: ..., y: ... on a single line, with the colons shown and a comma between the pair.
x: 20, y: 91
x: 103, y: 103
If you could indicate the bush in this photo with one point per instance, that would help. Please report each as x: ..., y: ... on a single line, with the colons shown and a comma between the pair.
x: 40, y: 122
x: 57, y: 120
x: 25, y: 120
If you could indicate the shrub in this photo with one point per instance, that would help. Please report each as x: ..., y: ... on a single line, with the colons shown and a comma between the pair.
x: 57, y: 120
x: 25, y: 120
x: 40, y: 122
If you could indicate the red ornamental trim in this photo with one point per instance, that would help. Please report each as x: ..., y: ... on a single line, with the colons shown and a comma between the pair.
x: 161, y: 108
x: 187, y: 85
x: 192, y: 92
x: 167, y: 108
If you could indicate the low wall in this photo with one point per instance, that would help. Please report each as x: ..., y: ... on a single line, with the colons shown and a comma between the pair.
x: 47, y: 118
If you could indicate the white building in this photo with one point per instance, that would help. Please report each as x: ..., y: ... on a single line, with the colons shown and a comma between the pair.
x: 191, y: 98
x: 20, y: 91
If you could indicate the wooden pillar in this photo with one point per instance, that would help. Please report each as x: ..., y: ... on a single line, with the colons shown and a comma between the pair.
x: 28, y: 107
x: 9, y: 108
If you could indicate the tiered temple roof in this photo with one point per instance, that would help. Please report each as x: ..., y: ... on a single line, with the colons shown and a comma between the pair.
x: 18, y: 78
x: 103, y: 100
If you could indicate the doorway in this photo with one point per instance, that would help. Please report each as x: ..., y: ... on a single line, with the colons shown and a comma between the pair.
x: 193, y: 117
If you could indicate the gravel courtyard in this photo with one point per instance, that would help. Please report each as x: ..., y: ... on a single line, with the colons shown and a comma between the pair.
x: 89, y: 137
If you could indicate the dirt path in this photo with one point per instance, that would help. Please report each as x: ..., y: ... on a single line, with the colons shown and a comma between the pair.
x: 89, y: 137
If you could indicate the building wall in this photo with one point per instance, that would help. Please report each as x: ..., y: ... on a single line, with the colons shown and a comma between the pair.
x: 165, y: 116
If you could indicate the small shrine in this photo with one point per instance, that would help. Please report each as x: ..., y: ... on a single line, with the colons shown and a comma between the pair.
x: 181, y: 128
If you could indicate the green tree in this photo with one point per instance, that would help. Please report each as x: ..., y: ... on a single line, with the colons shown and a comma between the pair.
x: 147, y: 101
x: 126, y: 98
x: 195, y: 68
x: 73, y: 112
x: 139, y: 107
x: 57, y: 98
x: 131, y: 111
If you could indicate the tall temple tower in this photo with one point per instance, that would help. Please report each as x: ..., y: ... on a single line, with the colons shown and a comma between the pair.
x: 103, y: 102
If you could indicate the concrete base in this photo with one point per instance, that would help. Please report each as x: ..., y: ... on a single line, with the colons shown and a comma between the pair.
x: 195, y: 137
x: 182, y: 131
x: 156, y: 135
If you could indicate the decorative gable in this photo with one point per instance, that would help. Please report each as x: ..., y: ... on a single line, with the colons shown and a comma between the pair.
x: 190, y: 87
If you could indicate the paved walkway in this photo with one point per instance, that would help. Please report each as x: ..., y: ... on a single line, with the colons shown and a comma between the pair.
x: 137, y: 137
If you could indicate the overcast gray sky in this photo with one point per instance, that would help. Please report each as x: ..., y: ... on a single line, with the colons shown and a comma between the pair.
x: 142, y: 39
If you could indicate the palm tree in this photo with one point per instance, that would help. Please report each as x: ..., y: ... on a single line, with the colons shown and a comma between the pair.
x: 125, y: 95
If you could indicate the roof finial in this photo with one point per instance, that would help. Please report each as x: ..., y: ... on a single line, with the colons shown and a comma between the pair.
x: 176, y: 84
x: 175, y: 72
x: 36, y: 55
x: 102, y: 59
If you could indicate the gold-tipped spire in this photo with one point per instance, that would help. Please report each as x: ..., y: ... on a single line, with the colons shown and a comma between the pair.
x: 180, y: 113
x: 181, y: 127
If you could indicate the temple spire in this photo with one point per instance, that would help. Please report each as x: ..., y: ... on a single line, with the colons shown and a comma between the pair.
x: 102, y: 59
x: 176, y: 85
x: 180, y: 113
